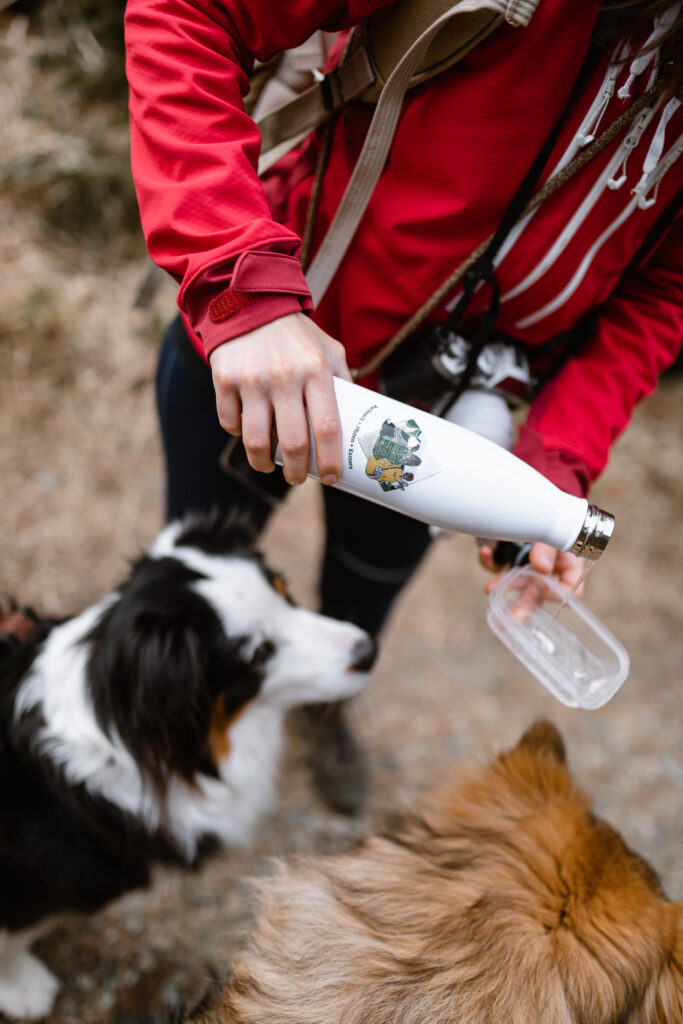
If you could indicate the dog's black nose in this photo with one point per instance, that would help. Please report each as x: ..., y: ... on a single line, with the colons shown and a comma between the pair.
x: 364, y: 655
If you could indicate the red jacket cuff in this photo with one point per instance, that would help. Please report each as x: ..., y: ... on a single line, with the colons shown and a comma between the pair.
x: 567, y: 471
x: 265, y: 310
x: 224, y: 303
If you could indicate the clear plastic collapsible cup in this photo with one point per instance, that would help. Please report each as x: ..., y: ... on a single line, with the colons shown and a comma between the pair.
x: 570, y: 653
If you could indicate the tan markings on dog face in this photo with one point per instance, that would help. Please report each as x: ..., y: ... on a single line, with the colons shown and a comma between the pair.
x: 219, y: 729
x: 219, y: 744
x: 279, y: 584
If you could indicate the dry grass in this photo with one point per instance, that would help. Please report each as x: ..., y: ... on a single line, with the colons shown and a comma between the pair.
x: 77, y: 361
x: 65, y: 141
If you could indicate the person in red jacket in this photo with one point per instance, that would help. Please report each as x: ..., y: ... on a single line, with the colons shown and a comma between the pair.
x: 602, y: 254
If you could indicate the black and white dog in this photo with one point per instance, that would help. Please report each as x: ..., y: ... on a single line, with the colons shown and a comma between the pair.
x: 147, y: 726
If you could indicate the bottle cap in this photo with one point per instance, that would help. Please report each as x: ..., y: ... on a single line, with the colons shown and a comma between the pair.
x: 595, y: 533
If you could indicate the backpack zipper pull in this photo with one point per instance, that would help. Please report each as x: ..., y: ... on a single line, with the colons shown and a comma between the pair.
x: 630, y: 142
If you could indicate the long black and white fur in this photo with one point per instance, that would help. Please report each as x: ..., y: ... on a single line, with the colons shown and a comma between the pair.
x: 148, y: 726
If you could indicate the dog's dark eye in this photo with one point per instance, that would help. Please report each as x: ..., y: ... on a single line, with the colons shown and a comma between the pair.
x: 264, y: 651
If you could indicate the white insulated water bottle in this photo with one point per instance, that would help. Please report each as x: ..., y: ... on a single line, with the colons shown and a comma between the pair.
x: 448, y: 476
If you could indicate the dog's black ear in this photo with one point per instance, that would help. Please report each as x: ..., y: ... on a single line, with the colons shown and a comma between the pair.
x: 218, y: 533
x: 159, y: 657
x: 542, y: 736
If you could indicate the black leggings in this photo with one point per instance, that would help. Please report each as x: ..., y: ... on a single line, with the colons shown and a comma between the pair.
x: 370, y: 551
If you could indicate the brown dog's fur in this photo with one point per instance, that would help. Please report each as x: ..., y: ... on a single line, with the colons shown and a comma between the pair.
x: 504, y: 902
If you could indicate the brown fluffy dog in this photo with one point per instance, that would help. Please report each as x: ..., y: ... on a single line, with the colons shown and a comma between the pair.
x: 504, y: 902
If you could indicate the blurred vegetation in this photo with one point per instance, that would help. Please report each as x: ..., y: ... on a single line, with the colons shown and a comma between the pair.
x: 70, y: 158
x: 88, y: 48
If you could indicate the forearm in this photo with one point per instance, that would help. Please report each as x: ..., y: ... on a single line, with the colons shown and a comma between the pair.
x: 195, y: 151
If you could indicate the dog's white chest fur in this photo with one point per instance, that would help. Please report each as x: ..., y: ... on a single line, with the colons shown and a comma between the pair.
x: 229, y: 807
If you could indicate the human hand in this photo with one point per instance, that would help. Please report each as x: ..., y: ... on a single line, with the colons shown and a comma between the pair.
x: 546, y: 560
x: 270, y: 377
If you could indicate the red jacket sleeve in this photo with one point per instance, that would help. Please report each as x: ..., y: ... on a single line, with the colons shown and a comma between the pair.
x: 638, y: 335
x: 195, y: 150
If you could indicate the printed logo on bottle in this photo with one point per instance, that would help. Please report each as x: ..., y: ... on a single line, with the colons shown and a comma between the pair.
x: 394, y: 453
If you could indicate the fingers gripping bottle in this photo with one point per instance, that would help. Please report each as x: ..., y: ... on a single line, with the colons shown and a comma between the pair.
x: 445, y: 475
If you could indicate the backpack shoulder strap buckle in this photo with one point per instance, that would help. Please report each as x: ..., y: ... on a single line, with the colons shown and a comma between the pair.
x: 284, y: 127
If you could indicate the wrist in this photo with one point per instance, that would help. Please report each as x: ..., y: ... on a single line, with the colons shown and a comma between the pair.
x: 264, y: 311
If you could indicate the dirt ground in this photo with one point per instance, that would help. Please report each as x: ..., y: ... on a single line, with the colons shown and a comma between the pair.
x: 81, y: 493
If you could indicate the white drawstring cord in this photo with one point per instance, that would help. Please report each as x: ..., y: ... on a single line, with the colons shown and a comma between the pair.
x: 643, y: 202
x: 662, y: 23
x: 630, y: 142
x: 584, y: 138
x: 654, y: 155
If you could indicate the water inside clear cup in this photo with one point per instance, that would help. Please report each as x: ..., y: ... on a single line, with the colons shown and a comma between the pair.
x: 571, y: 653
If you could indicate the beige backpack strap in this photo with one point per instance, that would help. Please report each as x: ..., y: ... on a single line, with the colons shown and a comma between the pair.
x: 375, y: 52
x: 387, y: 38
x: 286, y: 126
x: 471, y: 21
